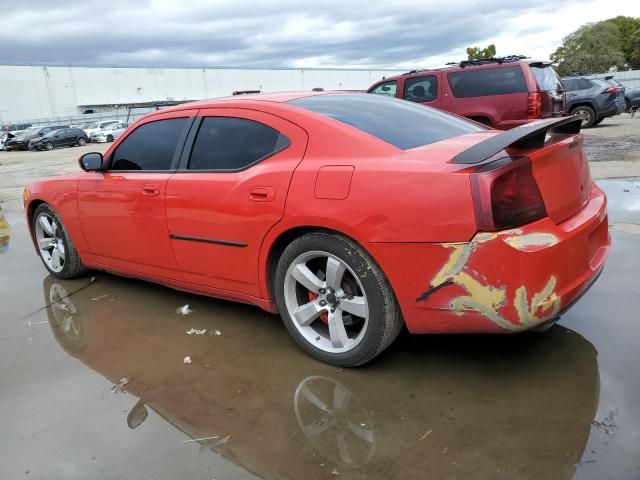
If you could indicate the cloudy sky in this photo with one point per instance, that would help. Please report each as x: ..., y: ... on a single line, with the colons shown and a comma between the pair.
x: 285, y: 33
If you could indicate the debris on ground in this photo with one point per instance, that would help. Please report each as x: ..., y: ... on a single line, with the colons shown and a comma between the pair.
x: 199, y: 439
x: 184, y: 310
x: 426, y: 434
x: 335, y: 472
x: 608, y: 423
x: 95, y: 299
x: 187, y: 360
x: 215, y: 332
x: 195, y: 331
x: 119, y: 387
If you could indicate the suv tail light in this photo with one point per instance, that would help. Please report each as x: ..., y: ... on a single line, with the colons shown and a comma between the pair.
x: 507, y: 196
x: 534, y: 105
x: 611, y: 90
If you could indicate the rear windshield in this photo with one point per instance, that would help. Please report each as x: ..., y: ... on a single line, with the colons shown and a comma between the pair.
x: 547, y: 78
x: 400, y: 123
x: 485, y: 82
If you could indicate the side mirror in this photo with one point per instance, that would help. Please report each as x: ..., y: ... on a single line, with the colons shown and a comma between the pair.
x: 91, y: 162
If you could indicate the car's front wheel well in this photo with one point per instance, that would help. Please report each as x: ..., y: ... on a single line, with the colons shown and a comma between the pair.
x: 31, y: 208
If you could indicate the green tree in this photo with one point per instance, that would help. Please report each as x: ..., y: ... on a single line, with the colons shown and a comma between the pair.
x: 629, y: 28
x: 593, y: 48
x: 634, y: 50
x: 477, y: 53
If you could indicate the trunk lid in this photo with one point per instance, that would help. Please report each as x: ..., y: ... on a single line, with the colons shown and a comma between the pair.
x: 562, y: 173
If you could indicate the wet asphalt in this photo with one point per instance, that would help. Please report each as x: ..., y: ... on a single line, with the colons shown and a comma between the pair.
x: 93, y: 385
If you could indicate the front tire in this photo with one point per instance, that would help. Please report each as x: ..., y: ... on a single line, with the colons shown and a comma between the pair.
x: 334, y: 300
x: 55, y: 247
x: 110, y: 138
x: 587, y: 114
x: 81, y: 142
x: 48, y: 146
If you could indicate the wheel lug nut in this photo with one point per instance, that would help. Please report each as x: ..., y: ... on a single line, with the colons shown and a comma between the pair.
x: 333, y: 310
x: 323, y: 303
x: 322, y: 291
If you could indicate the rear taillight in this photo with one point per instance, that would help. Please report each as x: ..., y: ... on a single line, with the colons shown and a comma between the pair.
x: 534, y: 105
x: 507, y: 196
x: 611, y: 90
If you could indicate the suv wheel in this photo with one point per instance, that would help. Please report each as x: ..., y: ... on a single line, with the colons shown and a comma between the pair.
x: 587, y: 115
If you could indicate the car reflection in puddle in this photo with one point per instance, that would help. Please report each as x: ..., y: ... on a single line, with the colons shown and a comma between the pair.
x: 455, y: 406
x: 5, y: 234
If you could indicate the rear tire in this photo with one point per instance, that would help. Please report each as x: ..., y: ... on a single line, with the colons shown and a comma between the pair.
x: 81, y: 142
x: 343, y: 312
x: 598, y: 121
x: 56, y: 250
x: 587, y: 114
x: 110, y: 138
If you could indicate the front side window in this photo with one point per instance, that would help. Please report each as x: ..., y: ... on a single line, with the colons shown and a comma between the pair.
x: 386, y: 88
x: 488, y: 81
x: 421, y: 89
x: 150, y: 146
x: 231, y: 144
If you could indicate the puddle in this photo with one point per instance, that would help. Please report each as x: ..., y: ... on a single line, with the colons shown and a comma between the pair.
x: 251, y: 404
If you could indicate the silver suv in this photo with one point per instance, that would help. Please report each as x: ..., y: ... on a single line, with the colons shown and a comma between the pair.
x: 593, y: 97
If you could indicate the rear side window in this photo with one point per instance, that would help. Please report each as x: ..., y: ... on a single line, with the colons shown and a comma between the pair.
x: 402, y: 124
x: 231, y: 144
x: 547, y: 78
x: 421, y: 89
x: 386, y: 88
x: 489, y: 81
x: 150, y: 146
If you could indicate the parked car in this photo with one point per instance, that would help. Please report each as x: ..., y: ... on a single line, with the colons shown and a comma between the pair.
x: 92, y: 127
x: 632, y: 98
x: 593, y: 98
x: 4, y: 136
x: 109, y: 132
x: 501, y: 93
x: 23, y: 139
x: 66, y: 137
x: 272, y: 205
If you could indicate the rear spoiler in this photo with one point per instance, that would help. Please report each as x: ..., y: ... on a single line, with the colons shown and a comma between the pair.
x: 528, y: 136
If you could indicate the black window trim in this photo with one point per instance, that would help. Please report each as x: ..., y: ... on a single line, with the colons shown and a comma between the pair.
x: 183, y: 165
x: 176, y: 154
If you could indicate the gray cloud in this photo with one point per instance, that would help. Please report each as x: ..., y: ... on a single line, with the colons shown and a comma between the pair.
x: 258, y: 33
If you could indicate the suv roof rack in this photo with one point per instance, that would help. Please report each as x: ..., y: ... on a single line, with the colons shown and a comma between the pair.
x: 468, y: 63
x: 485, y: 61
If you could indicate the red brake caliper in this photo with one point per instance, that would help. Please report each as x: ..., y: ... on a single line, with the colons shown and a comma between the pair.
x: 324, y: 317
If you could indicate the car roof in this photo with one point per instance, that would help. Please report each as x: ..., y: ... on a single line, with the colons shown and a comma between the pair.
x: 458, y: 68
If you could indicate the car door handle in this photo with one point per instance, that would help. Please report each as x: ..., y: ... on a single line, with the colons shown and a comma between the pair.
x: 262, y: 194
x: 150, y: 189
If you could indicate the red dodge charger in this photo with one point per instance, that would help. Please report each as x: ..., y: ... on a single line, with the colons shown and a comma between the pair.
x: 349, y: 214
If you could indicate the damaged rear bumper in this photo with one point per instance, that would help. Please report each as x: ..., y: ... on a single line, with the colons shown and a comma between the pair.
x: 507, y: 281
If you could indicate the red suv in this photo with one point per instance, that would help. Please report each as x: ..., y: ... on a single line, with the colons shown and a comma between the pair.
x: 502, y: 93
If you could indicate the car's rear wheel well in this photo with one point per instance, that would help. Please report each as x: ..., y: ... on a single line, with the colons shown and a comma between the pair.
x: 582, y: 104
x: 483, y: 120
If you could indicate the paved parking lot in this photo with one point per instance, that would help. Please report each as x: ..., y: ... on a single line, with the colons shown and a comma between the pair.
x: 94, y: 383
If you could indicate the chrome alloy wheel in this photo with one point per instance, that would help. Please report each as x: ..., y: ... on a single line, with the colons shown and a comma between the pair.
x: 326, y: 302
x: 50, y: 243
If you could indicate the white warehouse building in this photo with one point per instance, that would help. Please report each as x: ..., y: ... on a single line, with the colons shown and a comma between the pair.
x: 38, y: 92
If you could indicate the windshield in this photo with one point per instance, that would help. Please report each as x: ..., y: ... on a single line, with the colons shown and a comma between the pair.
x: 107, y: 125
x: 400, y: 123
x: 547, y: 78
x: 88, y: 125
